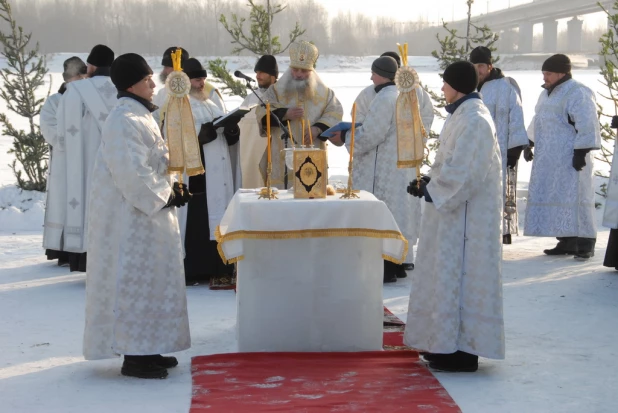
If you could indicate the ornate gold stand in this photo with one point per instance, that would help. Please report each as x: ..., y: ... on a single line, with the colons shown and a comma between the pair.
x: 349, y: 193
x: 267, y: 193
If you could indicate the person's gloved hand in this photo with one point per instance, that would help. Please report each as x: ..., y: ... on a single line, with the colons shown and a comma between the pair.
x: 179, y: 197
x: 232, y: 134
x: 183, y: 189
x: 207, y: 134
x: 579, y: 160
x: 528, y: 154
x: 614, y: 122
x: 417, y: 190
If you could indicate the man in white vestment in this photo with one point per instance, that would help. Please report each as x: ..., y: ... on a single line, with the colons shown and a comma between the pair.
x: 299, y: 95
x: 375, y: 158
x: 136, y: 302
x: 252, y: 146
x: 53, y: 241
x: 168, y: 67
x: 564, y: 130
x: 502, y: 97
x: 455, y: 310
x: 82, y: 111
x: 213, y: 190
x: 610, y: 215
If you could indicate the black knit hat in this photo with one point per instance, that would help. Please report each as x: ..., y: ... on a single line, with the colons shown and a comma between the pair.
x: 385, y: 66
x: 394, y: 56
x: 481, y: 54
x: 167, y: 56
x: 267, y: 64
x: 73, y: 66
x: 128, y: 69
x: 557, y: 63
x: 101, y: 56
x: 194, y: 69
x: 461, y: 76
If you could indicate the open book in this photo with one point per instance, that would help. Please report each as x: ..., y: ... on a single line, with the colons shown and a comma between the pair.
x: 341, y: 126
x: 233, y: 116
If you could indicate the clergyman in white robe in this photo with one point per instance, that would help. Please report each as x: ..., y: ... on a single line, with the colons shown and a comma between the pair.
x: 82, y: 111
x: 456, y: 298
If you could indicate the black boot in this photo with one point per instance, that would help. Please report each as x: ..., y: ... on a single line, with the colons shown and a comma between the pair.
x: 165, y: 362
x: 390, y: 272
x: 565, y: 246
x: 459, y: 361
x: 401, y: 271
x: 585, y: 248
x: 408, y: 266
x: 142, y: 367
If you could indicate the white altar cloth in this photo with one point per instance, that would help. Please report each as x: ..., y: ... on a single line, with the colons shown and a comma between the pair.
x: 310, y: 272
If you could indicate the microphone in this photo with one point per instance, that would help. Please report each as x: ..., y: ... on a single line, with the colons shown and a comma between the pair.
x: 241, y: 75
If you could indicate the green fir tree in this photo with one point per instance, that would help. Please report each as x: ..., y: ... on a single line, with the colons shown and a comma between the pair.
x: 609, y: 64
x: 258, y: 40
x: 24, y: 74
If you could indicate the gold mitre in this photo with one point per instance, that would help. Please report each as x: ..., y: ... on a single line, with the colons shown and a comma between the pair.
x: 303, y: 55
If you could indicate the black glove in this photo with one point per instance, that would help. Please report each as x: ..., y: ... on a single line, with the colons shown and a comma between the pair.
x: 528, y: 154
x: 614, y: 122
x: 415, y: 190
x: 579, y: 159
x: 232, y: 134
x: 207, y: 134
x: 179, y: 197
x: 512, y: 156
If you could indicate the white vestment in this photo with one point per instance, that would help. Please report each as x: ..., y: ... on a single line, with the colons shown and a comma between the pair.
x: 135, y: 288
x: 55, y: 209
x: 364, y: 98
x: 504, y: 104
x: 456, y: 297
x: 610, y: 215
x: 221, y: 162
x: 82, y: 111
x: 375, y: 164
x: 252, y: 146
x: 561, y: 199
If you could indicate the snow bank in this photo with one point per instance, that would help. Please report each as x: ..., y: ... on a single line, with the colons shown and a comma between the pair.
x: 21, y: 210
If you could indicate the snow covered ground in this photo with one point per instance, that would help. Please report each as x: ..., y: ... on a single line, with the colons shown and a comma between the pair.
x: 560, y: 314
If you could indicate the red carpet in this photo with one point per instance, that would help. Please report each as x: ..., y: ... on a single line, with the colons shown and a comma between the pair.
x: 367, y: 382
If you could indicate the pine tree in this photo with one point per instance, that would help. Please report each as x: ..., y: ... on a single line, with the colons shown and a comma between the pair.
x: 24, y: 74
x: 451, y: 51
x: 609, y: 58
x: 258, y: 40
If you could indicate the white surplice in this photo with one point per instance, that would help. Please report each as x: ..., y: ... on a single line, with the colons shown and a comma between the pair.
x: 456, y: 296
x: 221, y: 162
x: 82, y: 111
x: 135, y: 288
x: 561, y: 199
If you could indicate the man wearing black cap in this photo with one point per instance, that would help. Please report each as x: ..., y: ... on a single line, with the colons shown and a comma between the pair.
x: 252, y: 147
x: 501, y: 96
x: 565, y: 128
x: 375, y: 159
x: 455, y: 310
x: 364, y: 98
x: 136, y: 302
x: 81, y: 114
x: 213, y: 190
x: 74, y: 69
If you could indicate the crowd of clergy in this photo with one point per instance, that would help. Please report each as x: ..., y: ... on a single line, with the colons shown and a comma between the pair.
x: 114, y: 212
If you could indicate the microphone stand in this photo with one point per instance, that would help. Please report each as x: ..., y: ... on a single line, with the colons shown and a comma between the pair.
x: 285, y: 133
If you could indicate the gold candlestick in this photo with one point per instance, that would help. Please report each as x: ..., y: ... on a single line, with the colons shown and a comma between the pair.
x: 350, y: 193
x: 267, y: 192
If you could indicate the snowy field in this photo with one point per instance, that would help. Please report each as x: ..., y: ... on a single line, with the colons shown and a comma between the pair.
x: 560, y: 314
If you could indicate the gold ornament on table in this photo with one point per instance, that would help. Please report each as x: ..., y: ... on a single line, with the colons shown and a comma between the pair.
x: 177, y: 119
x: 267, y: 192
x: 411, y: 134
x: 310, y: 173
x: 349, y: 192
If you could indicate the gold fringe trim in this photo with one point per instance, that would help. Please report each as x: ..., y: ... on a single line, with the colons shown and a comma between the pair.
x: 409, y: 164
x: 311, y: 233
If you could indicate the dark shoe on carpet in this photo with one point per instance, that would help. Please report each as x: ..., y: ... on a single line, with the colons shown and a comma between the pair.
x: 459, y: 361
x: 167, y: 362
x: 408, y: 266
x: 142, y: 368
x: 584, y: 256
x: 558, y: 251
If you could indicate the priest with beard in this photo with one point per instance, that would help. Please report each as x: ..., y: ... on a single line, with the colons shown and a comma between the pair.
x: 252, y: 146
x: 301, y: 95
x: 53, y: 241
x: 213, y: 190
